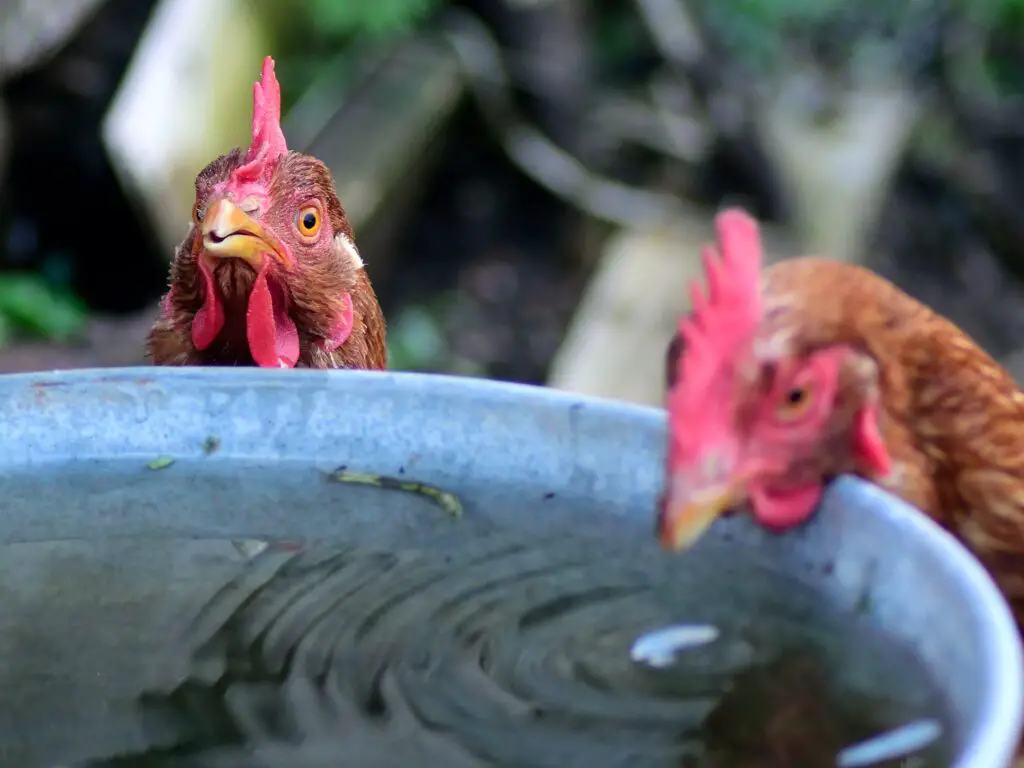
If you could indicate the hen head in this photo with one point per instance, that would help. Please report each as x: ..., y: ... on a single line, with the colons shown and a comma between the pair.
x: 270, y: 256
x: 758, y: 412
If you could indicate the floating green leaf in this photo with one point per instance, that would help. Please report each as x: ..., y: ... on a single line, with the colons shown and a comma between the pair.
x: 160, y: 462
x: 448, y: 502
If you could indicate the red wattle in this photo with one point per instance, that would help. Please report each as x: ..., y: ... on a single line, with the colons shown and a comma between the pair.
x: 784, y: 509
x: 868, y: 443
x: 272, y: 335
x: 210, y: 318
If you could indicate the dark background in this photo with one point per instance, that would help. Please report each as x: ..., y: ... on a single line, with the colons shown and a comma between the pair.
x: 479, y: 259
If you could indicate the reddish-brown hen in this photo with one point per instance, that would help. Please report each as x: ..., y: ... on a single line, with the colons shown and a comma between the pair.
x: 781, y: 379
x: 269, y: 273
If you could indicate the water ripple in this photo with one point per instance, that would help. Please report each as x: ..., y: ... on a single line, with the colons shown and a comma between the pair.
x: 512, y: 655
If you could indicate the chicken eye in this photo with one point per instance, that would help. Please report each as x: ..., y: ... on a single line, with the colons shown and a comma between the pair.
x: 308, y: 221
x: 795, y: 401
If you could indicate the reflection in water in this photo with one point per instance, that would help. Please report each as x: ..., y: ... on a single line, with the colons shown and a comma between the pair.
x: 785, y: 714
x: 773, y: 712
x: 660, y: 647
x: 513, y: 654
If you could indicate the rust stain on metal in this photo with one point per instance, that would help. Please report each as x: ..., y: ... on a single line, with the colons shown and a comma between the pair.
x: 143, y: 380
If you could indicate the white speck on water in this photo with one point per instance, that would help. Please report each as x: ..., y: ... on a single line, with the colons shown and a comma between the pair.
x: 899, y: 742
x: 659, y: 647
x: 249, y: 548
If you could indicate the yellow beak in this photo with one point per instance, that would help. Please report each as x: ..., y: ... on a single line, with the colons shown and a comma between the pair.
x: 228, y: 232
x: 686, y: 513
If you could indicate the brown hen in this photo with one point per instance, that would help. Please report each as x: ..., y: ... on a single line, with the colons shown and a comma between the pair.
x: 782, y: 379
x: 269, y: 273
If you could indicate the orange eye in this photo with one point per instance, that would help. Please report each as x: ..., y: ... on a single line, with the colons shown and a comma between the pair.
x: 795, y: 401
x: 308, y: 221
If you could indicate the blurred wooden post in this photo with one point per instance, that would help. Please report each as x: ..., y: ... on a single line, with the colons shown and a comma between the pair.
x: 615, y: 345
x: 183, y: 102
x: 837, y: 172
x: 377, y: 139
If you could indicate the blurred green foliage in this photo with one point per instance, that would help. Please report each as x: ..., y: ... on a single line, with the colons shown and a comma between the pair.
x: 762, y: 32
x: 1000, y: 67
x: 349, y: 18
x: 1005, y: 14
x: 311, y: 23
x: 30, y: 305
x: 314, y: 35
x: 766, y: 33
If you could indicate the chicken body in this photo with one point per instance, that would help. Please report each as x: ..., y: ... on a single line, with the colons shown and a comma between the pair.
x: 950, y: 417
x: 842, y: 372
x: 269, y: 273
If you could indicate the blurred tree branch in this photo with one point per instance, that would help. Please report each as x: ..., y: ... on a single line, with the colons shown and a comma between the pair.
x: 823, y: 143
x: 819, y: 103
x: 534, y: 152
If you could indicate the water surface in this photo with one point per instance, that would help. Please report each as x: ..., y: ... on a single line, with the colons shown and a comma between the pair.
x: 402, y: 637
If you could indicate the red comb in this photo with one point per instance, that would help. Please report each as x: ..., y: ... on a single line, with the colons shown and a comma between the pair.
x: 268, y: 142
x: 719, y: 323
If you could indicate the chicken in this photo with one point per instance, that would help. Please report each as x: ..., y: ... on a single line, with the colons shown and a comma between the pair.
x: 782, y: 379
x: 269, y: 273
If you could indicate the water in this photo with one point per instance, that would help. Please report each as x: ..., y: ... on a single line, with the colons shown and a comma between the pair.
x: 467, y: 643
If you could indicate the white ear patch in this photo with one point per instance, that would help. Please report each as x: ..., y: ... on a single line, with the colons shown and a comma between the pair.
x: 778, y: 344
x: 347, y: 249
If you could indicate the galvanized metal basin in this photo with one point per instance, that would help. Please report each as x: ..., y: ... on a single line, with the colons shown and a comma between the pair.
x: 80, y: 459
